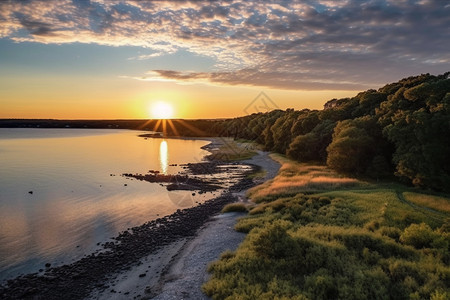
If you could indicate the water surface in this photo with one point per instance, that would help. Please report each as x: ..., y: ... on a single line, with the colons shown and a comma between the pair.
x: 61, y: 192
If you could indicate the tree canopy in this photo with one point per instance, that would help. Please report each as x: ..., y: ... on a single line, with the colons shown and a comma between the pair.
x: 402, y: 129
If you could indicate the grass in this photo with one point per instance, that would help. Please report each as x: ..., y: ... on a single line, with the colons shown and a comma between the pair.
x: 231, y: 150
x: 261, y: 173
x: 317, y: 235
x: 435, y: 202
x: 235, y: 207
x: 295, y: 177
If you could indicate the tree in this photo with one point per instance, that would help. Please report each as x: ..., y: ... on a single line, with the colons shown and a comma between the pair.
x: 312, y: 146
x: 351, y: 149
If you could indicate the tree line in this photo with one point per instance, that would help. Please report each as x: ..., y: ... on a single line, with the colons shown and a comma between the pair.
x: 401, y: 129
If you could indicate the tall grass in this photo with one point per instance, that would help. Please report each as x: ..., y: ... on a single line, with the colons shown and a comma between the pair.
x: 317, y: 235
x: 434, y: 202
x: 294, y: 177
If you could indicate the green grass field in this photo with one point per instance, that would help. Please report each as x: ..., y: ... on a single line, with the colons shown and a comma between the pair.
x: 317, y: 235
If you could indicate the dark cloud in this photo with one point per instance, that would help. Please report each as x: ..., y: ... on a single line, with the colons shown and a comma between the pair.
x: 253, y: 77
x: 287, y: 44
x: 36, y: 27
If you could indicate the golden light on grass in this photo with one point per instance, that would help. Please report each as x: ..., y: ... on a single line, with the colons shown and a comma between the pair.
x: 161, y: 110
x: 294, y: 177
x: 434, y: 202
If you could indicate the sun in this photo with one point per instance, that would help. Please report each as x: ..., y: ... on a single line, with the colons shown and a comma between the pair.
x: 161, y: 110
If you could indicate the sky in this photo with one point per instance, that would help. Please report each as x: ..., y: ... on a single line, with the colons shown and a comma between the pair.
x: 103, y: 59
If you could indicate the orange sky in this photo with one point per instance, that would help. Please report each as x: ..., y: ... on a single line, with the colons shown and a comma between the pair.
x: 112, y: 59
x: 120, y: 98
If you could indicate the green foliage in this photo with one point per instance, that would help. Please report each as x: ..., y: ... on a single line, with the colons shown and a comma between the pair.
x: 342, y: 244
x: 416, y: 119
x: 312, y: 146
x: 281, y: 130
x: 351, y: 150
x: 304, y: 148
x: 419, y: 235
x: 403, y: 129
x: 234, y: 207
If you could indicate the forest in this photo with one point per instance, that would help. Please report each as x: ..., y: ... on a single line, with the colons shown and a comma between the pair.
x: 401, y: 129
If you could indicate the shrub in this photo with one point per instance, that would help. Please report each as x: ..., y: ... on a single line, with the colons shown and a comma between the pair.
x: 392, y: 232
x: 418, y: 235
x: 234, y: 207
x: 274, y: 242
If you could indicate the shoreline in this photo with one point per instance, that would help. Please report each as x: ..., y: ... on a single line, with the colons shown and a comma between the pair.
x: 188, y: 271
x: 77, y: 280
x: 127, y: 260
x: 60, y: 207
x: 181, y: 271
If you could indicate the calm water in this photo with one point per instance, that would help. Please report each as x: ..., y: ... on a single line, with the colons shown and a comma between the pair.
x: 78, y: 197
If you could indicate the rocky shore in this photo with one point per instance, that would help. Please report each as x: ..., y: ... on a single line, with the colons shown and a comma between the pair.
x: 77, y: 280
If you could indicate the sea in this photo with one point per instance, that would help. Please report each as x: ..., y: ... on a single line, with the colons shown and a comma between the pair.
x: 62, y: 192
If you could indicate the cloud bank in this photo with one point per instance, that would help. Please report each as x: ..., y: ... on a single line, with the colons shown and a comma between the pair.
x: 307, y: 44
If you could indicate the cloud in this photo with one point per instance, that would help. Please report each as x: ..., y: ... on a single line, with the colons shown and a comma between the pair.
x: 342, y: 44
x: 253, y: 77
x: 36, y: 27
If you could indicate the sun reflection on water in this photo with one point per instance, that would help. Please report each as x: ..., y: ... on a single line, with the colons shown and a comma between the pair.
x: 163, y: 156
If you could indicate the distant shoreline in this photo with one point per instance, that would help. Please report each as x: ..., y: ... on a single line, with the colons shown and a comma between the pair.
x: 178, y: 128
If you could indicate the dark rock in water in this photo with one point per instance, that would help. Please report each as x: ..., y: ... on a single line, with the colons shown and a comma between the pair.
x: 178, y: 181
x: 152, y: 135
x: 30, y: 192
x: 48, y: 265
x: 142, y: 275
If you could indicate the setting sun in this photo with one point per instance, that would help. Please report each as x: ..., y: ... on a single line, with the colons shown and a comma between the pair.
x: 161, y: 110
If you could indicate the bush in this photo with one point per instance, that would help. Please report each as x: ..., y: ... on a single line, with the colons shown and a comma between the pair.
x: 418, y: 235
x: 274, y: 242
x: 234, y: 207
x: 392, y: 232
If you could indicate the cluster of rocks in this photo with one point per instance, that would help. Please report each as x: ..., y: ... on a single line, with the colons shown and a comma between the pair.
x: 76, y: 280
x: 203, y: 168
x: 178, y: 182
x: 189, y: 181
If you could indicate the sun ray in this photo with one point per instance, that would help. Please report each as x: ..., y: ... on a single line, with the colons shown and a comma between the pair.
x: 164, y: 123
x: 174, y: 129
x: 157, y: 125
x: 144, y: 124
x: 190, y: 127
